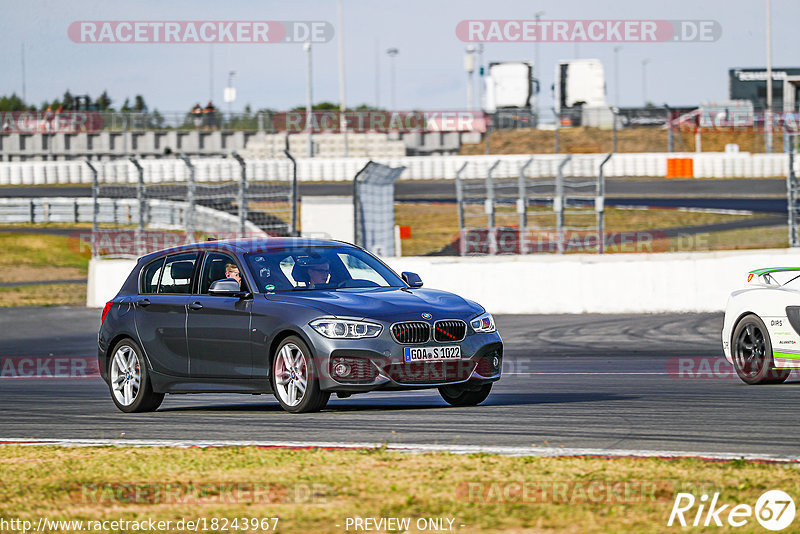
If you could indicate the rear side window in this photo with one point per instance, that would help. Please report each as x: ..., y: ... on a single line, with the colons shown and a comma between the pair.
x: 151, y: 275
x: 177, y: 276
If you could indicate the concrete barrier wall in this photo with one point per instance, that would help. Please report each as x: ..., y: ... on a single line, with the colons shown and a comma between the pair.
x: 213, y: 169
x: 615, y: 283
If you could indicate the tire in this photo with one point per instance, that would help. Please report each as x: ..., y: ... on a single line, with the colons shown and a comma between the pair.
x: 129, y: 381
x: 751, y: 351
x: 459, y: 395
x: 292, y: 374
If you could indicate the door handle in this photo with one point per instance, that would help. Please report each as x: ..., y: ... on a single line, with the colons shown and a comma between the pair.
x: 195, y: 306
x: 143, y: 303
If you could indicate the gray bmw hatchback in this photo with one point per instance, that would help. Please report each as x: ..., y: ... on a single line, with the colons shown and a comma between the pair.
x: 297, y: 318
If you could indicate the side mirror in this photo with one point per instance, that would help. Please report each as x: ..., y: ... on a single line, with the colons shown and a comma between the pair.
x: 227, y: 287
x: 412, y: 279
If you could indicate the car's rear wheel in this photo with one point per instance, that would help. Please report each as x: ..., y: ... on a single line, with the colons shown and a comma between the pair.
x: 460, y: 395
x: 129, y: 382
x: 294, y: 379
x: 752, y: 353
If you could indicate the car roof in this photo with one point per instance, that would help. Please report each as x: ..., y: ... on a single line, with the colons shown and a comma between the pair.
x: 245, y: 245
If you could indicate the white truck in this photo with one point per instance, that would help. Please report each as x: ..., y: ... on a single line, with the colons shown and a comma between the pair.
x: 579, y: 93
x: 509, y: 84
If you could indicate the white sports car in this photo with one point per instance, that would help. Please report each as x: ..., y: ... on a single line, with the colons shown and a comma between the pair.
x: 761, y: 332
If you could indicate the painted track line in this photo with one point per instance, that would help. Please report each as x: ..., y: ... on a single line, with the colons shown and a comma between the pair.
x: 408, y: 448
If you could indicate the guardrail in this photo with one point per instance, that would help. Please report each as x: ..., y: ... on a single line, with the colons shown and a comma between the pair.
x: 215, y: 169
x: 632, y: 283
x: 162, y: 214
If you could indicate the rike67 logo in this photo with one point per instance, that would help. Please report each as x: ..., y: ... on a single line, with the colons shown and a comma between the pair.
x: 774, y: 510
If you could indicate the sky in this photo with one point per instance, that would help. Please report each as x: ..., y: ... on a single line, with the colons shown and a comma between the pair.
x: 429, y: 71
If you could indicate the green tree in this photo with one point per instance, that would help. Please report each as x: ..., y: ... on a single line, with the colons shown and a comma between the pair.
x: 67, y: 100
x: 139, y: 104
x: 12, y: 103
x: 103, y: 102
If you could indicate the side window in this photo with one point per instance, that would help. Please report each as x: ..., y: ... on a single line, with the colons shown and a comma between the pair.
x: 218, y: 266
x: 177, y: 277
x: 150, y: 276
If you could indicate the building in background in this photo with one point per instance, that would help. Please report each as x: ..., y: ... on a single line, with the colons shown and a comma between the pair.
x: 750, y: 84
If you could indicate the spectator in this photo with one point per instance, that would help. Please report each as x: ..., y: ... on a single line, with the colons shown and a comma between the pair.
x: 210, y: 114
x: 197, y: 115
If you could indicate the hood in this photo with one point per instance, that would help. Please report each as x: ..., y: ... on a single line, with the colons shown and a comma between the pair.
x: 389, y: 303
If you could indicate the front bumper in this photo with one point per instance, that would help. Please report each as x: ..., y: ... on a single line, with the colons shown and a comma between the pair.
x: 383, y: 366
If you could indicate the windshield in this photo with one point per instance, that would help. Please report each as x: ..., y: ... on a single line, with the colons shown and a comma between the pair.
x: 307, y: 268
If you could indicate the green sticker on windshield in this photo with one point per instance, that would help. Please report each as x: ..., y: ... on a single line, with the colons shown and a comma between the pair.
x: 269, y: 287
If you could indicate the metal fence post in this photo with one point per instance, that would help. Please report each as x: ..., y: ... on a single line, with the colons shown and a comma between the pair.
x: 791, y: 194
x: 558, y: 127
x: 142, y: 202
x: 600, y: 206
x: 294, y: 194
x: 614, y: 112
x: 559, y: 204
x: 242, y: 196
x: 522, y: 204
x: 190, y: 197
x: 670, y: 139
x: 95, y: 206
x: 491, y: 236
x: 460, y: 201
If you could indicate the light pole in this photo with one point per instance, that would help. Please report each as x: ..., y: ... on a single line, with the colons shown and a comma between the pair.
x: 377, y: 74
x: 616, y: 75
x: 645, y: 61
x: 309, y: 128
x: 479, y: 51
x: 469, y: 67
x: 537, y: 16
x: 342, y: 99
x: 768, y: 114
x: 392, y: 52
x: 229, y: 95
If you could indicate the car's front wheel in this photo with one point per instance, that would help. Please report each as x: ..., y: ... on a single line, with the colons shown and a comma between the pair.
x: 294, y: 379
x: 460, y: 395
x: 752, y: 353
x: 129, y: 382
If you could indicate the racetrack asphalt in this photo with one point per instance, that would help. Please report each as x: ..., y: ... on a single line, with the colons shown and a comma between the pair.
x: 577, y: 381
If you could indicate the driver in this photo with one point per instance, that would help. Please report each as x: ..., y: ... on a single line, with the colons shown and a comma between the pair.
x: 318, y: 273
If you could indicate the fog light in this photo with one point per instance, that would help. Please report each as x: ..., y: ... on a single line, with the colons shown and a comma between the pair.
x: 496, y: 362
x: 341, y: 369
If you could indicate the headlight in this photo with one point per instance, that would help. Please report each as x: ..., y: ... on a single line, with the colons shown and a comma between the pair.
x: 344, y: 329
x: 483, y: 323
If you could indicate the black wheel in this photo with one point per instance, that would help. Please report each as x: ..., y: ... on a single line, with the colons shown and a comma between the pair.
x: 294, y: 378
x: 752, y: 353
x: 128, y: 380
x: 460, y: 395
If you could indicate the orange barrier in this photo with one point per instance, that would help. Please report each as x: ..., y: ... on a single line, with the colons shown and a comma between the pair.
x: 680, y: 168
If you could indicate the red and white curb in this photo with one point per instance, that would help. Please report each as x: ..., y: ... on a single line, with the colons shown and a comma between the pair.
x: 407, y: 448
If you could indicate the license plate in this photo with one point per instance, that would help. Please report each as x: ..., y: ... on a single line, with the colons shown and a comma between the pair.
x: 419, y: 354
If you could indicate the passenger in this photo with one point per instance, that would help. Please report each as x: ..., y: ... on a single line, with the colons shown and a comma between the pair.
x: 232, y: 271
